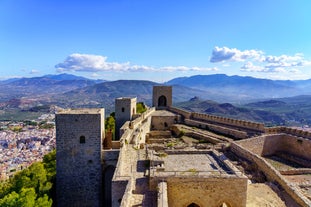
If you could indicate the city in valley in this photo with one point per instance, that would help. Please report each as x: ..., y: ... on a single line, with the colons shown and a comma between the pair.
x: 22, y: 144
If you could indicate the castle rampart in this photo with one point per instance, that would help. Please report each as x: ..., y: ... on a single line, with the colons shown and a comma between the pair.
x: 289, y: 130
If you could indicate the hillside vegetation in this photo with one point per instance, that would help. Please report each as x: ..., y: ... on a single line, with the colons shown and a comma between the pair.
x: 30, y: 187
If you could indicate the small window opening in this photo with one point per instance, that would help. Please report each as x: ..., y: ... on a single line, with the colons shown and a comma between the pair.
x: 82, y: 139
x: 165, y: 124
x: 122, y: 109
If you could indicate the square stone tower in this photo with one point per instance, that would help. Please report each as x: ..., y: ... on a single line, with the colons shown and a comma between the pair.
x: 125, y: 108
x: 162, y: 97
x: 79, y: 135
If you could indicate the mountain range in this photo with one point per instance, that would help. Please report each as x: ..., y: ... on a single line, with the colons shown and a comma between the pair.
x: 244, y: 88
x: 228, y: 95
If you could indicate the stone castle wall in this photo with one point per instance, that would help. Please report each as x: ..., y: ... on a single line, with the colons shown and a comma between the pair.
x: 231, y: 122
x: 78, y: 153
x: 267, y: 145
x: 271, y: 173
x: 206, y: 192
x: 217, y: 128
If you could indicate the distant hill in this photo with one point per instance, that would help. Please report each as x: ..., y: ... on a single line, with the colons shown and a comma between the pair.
x: 245, y: 88
x: 104, y: 94
x: 232, y: 96
x: 231, y: 111
x: 36, y: 86
x: 293, y: 111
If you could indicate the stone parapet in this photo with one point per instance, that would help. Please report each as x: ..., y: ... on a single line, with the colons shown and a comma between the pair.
x: 288, y: 130
x: 218, y: 129
x: 184, y: 113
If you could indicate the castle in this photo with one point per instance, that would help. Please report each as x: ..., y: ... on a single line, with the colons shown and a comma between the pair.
x: 171, y: 157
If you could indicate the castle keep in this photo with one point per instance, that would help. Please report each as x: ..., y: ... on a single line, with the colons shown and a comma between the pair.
x: 171, y: 157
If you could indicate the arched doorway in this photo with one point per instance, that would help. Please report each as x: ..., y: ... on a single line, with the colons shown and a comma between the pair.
x: 162, y: 101
x: 193, y: 205
x: 108, y: 174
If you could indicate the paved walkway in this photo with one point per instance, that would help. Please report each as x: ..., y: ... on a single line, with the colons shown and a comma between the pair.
x: 141, y: 194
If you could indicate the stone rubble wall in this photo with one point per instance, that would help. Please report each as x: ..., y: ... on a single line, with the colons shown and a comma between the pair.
x: 271, y: 173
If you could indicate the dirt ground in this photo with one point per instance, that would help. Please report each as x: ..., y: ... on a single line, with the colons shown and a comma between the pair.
x: 261, y: 194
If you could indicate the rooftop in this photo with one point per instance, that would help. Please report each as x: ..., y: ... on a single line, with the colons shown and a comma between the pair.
x: 82, y: 111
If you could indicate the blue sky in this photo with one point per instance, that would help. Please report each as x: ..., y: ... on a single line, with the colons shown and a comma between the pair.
x: 156, y: 39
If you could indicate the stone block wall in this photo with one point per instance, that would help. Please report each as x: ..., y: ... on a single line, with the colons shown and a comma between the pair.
x: 125, y: 108
x: 78, y: 154
x: 207, y: 192
x: 297, y: 146
x: 255, y: 145
x: 162, y: 122
x: 162, y: 92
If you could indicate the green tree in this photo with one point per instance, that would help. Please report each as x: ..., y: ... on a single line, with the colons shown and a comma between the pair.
x: 110, y: 124
x: 10, y: 200
x: 44, y: 201
x: 140, y: 107
x: 31, y: 186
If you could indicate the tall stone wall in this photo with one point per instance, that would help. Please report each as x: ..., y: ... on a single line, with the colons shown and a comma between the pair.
x: 207, y: 192
x: 79, y: 135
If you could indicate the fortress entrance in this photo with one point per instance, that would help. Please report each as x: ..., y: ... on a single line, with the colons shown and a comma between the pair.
x: 107, y: 175
x: 162, y: 101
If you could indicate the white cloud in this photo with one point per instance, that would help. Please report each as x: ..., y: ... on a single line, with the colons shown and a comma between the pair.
x: 257, y: 61
x: 96, y: 63
x: 250, y: 67
x: 221, y: 54
x: 34, y: 71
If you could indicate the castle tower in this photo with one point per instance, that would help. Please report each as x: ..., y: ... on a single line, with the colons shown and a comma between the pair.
x: 162, y: 97
x: 79, y: 134
x: 125, y: 108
